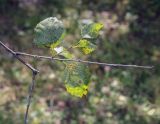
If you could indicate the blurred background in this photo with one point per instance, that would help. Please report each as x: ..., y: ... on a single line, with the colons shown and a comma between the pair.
x: 131, y: 35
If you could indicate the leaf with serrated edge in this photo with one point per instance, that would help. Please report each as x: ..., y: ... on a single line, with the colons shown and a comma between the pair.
x: 76, y: 78
x: 91, y: 31
x: 49, y: 31
x: 86, y: 46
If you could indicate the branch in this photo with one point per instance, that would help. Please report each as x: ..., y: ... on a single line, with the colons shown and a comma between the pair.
x: 34, y: 73
x: 82, y: 61
x: 20, y: 59
x: 31, y: 89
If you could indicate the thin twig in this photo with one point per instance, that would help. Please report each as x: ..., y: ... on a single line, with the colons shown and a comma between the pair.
x: 17, y: 57
x: 82, y: 61
x: 34, y: 73
x: 31, y: 89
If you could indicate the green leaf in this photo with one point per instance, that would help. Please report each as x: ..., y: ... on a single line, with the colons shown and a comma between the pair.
x: 86, y: 46
x: 76, y: 78
x: 61, y: 51
x: 91, y: 31
x: 49, y: 31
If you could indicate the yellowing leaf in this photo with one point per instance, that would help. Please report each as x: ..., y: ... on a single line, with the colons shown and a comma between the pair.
x: 76, y: 78
x: 86, y: 46
x: 87, y: 50
x: 91, y: 31
x: 97, y: 27
x: 78, y: 91
x: 48, y: 31
x: 61, y: 51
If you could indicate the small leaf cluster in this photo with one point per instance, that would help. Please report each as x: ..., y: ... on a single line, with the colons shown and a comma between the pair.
x: 50, y: 33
